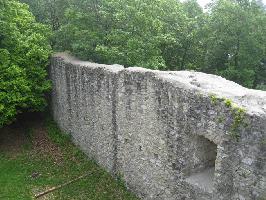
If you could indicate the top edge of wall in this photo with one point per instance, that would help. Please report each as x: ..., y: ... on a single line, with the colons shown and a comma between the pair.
x: 73, y: 60
x: 254, y: 101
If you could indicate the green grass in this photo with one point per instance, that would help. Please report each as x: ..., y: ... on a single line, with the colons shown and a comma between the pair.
x: 16, y: 181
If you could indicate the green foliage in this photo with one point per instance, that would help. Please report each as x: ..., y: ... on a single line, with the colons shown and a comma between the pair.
x: 24, y: 51
x: 228, y: 40
x: 50, y: 12
x: 236, y: 41
x: 125, y: 32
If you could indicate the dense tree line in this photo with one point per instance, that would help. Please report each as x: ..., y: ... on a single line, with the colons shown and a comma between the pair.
x: 24, y: 52
x: 229, y: 39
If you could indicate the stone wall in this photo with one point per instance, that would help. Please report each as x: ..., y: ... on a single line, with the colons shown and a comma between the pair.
x: 170, y: 135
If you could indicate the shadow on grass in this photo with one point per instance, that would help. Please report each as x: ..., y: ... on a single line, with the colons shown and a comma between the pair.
x: 46, y: 157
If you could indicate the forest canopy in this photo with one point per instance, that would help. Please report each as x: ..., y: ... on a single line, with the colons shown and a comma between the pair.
x: 228, y: 39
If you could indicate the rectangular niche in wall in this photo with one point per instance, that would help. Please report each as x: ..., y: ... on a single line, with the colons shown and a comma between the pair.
x: 200, y: 172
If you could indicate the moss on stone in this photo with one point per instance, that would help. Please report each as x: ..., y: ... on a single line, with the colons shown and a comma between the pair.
x: 238, y: 114
x: 238, y: 120
x: 214, y: 99
x: 228, y: 103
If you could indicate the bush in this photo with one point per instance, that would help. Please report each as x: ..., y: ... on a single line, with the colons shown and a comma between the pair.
x: 24, y: 52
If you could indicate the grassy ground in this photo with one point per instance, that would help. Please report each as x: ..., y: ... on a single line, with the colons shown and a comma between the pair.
x: 35, y: 156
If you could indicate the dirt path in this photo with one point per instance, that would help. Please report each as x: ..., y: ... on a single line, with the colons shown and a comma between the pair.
x: 43, y: 145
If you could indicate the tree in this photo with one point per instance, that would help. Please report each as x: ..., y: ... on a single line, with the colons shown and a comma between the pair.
x: 131, y: 33
x: 228, y: 40
x: 236, y: 41
x: 187, y: 49
x: 49, y: 12
x: 24, y: 51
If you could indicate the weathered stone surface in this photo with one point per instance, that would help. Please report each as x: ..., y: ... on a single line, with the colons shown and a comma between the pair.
x: 171, y: 135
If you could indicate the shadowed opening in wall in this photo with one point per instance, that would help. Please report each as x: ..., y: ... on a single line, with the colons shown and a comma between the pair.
x: 202, y: 169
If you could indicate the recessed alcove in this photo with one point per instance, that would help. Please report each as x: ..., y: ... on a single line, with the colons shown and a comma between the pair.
x: 200, y: 172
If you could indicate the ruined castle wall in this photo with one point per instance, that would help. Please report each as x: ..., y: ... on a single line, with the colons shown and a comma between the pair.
x: 82, y: 102
x: 170, y: 135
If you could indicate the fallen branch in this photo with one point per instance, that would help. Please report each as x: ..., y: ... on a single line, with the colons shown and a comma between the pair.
x: 60, y: 186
